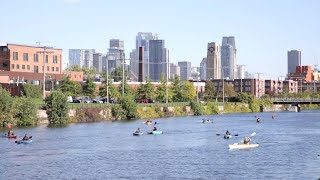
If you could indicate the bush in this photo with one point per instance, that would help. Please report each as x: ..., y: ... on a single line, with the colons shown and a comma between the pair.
x: 24, y: 111
x: 196, y: 107
x: 117, y: 112
x: 57, y: 108
x: 31, y: 91
x: 5, y: 106
x: 211, y: 108
x: 129, y: 107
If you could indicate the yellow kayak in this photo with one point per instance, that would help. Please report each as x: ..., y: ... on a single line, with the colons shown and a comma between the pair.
x: 242, y: 146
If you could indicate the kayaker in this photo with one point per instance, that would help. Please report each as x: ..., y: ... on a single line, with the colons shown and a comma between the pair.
x: 246, y: 140
x: 258, y: 120
x: 227, y: 133
x: 25, y: 137
x: 154, y: 129
x: 138, y: 130
x: 155, y: 122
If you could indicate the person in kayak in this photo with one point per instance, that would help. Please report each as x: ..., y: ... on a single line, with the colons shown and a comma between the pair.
x: 228, y: 133
x: 25, y: 137
x: 154, y: 129
x: 10, y: 133
x: 258, y: 120
x: 246, y: 140
x: 138, y: 130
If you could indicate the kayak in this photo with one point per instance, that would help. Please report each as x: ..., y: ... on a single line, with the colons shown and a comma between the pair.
x: 24, y: 141
x: 227, y: 136
x: 148, y: 123
x: 12, y: 136
x: 137, y: 133
x: 206, y: 121
x: 242, y: 146
x: 155, y: 132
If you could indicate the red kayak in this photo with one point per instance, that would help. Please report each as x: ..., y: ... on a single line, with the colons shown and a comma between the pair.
x: 12, y: 136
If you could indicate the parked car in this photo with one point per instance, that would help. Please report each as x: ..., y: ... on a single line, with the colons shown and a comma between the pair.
x: 97, y: 100
x: 141, y: 100
x: 111, y: 100
x: 76, y: 100
x: 69, y: 99
x: 86, y: 100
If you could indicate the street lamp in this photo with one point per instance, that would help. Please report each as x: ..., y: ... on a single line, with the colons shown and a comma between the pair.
x: 44, y: 52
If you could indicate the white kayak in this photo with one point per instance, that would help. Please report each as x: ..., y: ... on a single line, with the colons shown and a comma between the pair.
x: 242, y: 146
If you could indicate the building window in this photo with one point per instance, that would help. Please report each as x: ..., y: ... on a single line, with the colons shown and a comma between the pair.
x: 55, y: 59
x: 48, y: 68
x: 23, y: 66
x: 12, y: 66
x: 15, y: 55
x: 25, y: 56
x: 57, y: 69
x: 52, y: 69
x: 5, y: 49
x: 5, y: 63
x: 28, y: 67
x: 47, y: 59
x: 35, y: 57
x: 35, y: 69
x: 18, y: 66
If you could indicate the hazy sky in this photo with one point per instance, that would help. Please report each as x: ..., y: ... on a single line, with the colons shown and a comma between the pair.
x: 264, y: 29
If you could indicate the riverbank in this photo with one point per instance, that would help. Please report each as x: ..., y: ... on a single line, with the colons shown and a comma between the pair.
x: 98, y: 114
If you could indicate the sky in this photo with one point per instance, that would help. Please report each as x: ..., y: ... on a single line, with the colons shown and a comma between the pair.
x: 264, y: 30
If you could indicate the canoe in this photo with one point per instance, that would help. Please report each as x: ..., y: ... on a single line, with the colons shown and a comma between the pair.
x: 227, y: 136
x: 242, y: 146
x: 155, y: 132
x: 24, y: 141
x: 12, y: 136
x: 137, y: 133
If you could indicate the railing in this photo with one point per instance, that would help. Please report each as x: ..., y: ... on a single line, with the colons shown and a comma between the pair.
x: 295, y: 99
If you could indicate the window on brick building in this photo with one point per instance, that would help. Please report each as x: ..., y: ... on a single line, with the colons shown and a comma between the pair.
x: 18, y: 66
x: 23, y: 66
x: 5, y: 63
x: 57, y: 69
x: 52, y: 69
x: 15, y: 55
x: 25, y: 56
x: 28, y: 67
x: 48, y: 68
x: 35, y: 69
x: 35, y: 57
x: 55, y: 59
x: 47, y: 58
x: 12, y: 66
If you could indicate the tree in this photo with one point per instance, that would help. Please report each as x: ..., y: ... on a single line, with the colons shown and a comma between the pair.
x: 210, y: 90
x: 32, y: 91
x: 127, y: 88
x: 74, y: 67
x: 5, y: 106
x: 126, y: 110
x: 24, y: 111
x: 229, y: 90
x: 70, y: 88
x: 161, y: 91
x: 177, y: 89
x: 57, y: 108
x: 146, y: 90
x: 188, y: 92
x: 89, y: 88
x: 116, y: 74
x: 89, y: 71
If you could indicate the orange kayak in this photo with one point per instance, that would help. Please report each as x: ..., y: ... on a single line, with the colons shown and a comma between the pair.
x: 12, y: 136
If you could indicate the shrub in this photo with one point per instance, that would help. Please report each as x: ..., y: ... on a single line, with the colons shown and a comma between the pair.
x: 129, y: 107
x: 5, y: 106
x: 196, y: 107
x: 57, y: 108
x: 24, y: 111
x: 31, y: 91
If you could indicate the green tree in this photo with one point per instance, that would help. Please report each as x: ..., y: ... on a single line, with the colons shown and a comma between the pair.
x: 161, y: 91
x: 89, y: 88
x: 70, y: 88
x: 74, y: 67
x: 146, y: 90
x: 89, y: 71
x: 116, y: 74
x: 210, y: 91
x: 177, y: 89
x: 57, y: 107
x: 24, y: 111
x: 127, y: 89
x: 32, y: 91
x: 196, y: 107
x: 5, y: 106
x: 126, y: 110
x: 188, y: 92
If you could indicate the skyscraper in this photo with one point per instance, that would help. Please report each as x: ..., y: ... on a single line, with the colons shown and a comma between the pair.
x: 116, y: 53
x: 97, y: 61
x: 174, y: 70
x: 185, y: 70
x: 158, y: 59
x: 81, y: 57
x: 142, y: 40
x: 294, y: 59
x: 228, y: 57
x: 241, y: 71
x: 213, y: 61
x: 203, y: 69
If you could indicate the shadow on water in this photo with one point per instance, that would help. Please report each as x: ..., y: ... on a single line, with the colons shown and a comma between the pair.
x: 57, y: 125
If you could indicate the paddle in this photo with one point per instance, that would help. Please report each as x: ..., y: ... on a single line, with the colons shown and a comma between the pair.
x: 251, y: 135
x: 230, y: 134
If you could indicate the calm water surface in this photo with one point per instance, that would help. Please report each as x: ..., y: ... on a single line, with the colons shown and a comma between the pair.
x: 188, y: 149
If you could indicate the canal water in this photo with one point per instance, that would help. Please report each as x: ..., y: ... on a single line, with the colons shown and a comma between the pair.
x: 188, y: 149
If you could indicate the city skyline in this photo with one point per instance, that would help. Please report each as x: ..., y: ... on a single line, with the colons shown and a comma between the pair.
x: 263, y: 38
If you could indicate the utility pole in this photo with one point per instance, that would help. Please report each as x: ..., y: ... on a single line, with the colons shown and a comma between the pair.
x: 107, y: 59
x: 44, y: 52
x: 167, y: 77
x: 198, y: 86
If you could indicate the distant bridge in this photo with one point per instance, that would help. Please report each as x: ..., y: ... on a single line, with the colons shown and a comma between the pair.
x: 295, y: 100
